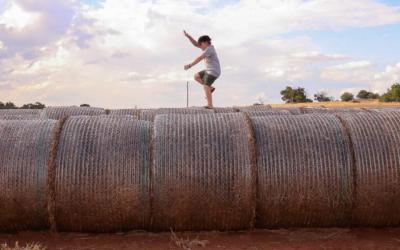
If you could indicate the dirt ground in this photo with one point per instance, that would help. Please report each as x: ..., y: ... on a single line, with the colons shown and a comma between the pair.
x: 260, y: 239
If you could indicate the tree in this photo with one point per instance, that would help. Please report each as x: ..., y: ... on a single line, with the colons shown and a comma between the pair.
x: 84, y: 105
x: 8, y: 105
x: 347, y: 97
x: 290, y: 95
x: 36, y: 105
x: 393, y: 94
x: 364, y: 94
x: 322, y: 97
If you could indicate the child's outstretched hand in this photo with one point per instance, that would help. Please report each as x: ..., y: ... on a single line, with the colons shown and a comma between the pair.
x: 187, y: 67
x: 185, y: 33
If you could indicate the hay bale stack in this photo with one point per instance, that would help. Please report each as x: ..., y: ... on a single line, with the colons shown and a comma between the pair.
x: 19, y: 117
x: 304, y: 171
x: 220, y: 110
x: 24, y: 153
x: 311, y: 110
x: 57, y: 113
x: 132, y: 112
x: 150, y: 114
x: 293, y: 111
x: 253, y: 108
x: 102, y: 175
x: 376, y: 140
x: 203, y: 173
x: 20, y: 112
x: 267, y: 112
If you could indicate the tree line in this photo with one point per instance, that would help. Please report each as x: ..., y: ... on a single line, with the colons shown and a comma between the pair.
x: 299, y: 95
x: 36, y: 105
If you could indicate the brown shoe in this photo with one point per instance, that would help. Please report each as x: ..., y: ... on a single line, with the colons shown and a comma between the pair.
x: 208, y: 107
x: 212, y: 89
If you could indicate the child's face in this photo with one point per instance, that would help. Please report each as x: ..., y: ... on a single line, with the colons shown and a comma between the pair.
x: 204, y: 45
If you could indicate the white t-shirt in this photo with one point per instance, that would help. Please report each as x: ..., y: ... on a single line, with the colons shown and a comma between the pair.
x: 212, y: 62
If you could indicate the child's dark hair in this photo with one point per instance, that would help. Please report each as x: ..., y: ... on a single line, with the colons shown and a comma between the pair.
x: 203, y: 39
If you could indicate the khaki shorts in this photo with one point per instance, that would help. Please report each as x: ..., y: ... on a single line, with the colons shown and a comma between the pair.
x: 207, y: 78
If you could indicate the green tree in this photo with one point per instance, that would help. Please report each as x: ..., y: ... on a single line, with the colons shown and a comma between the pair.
x: 364, y: 94
x: 7, y: 105
x: 291, y: 95
x: 84, y: 105
x: 393, y: 94
x: 347, y: 97
x: 36, y: 105
x: 322, y: 97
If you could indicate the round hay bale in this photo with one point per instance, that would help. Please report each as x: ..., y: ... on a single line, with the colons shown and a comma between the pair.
x: 20, y: 117
x: 219, y: 110
x: 20, y: 112
x: 304, y: 171
x: 202, y: 173
x: 293, y: 111
x: 57, y: 113
x: 253, y: 108
x: 376, y: 140
x: 132, y: 112
x: 102, y: 175
x: 311, y: 110
x: 267, y: 112
x: 150, y: 114
x: 24, y: 153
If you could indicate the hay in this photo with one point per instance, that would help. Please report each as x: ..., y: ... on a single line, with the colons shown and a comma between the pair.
x: 102, y: 175
x: 20, y: 112
x: 267, y: 112
x: 253, y: 108
x: 19, y: 117
x: 376, y: 140
x: 57, y: 113
x: 219, y: 110
x: 150, y: 114
x: 311, y: 110
x: 132, y: 112
x: 304, y: 171
x: 202, y: 173
x: 24, y: 147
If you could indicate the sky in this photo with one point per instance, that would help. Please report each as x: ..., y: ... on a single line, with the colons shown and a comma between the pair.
x: 131, y: 53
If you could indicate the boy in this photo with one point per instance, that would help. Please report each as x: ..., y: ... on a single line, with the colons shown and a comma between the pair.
x: 213, y: 69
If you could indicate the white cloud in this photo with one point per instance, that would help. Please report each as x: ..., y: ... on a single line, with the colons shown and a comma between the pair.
x: 131, y: 52
x: 16, y: 18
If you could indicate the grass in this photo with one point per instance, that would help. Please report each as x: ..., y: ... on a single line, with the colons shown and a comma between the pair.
x: 18, y: 247
x: 187, y: 244
x: 339, y: 104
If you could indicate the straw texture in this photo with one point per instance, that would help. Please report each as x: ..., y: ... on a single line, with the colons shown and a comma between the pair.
x: 304, y: 171
x: 102, y: 175
x: 253, y: 108
x: 19, y: 117
x: 150, y: 114
x: 219, y: 110
x: 376, y: 140
x: 20, y: 112
x: 24, y: 147
x: 202, y: 173
x: 310, y: 110
x: 132, y: 112
x: 57, y: 113
x: 266, y: 112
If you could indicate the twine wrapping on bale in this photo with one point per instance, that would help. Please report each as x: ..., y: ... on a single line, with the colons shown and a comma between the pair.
x: 20, y: 112
x: 220, y: 110
x: 24, y: 147
x: 102, y: 175
x: 19, y: 117
x: 202, y: 173
x: 253, y: 108
x: 132, y: 112
x: 267, y: 112
x: 311, y: 110
x: 304, y: 171
x: 376, y: 140
x: 57, y: 113
x: 150, y: 114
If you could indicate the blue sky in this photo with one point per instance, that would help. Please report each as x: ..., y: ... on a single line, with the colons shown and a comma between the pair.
x: 125, y: 53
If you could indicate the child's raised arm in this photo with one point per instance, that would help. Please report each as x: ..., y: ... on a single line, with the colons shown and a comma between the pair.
x: 191, y: 39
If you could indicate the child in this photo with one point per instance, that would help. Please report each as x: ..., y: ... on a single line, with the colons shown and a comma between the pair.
x: 213, y: 69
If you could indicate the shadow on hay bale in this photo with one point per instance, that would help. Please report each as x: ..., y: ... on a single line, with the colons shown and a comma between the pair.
x: 102, y: 175
x: 57, y: 113
x: 376, y: 140
x: 202, y: 173
x: 25, y: 148
x: 150, y: 114
x: 304, y: 171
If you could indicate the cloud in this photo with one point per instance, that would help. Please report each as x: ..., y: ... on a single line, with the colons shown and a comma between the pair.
x: 123, y: 53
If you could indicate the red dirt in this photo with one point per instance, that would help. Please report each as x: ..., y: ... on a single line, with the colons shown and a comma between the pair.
x: 260, y: 239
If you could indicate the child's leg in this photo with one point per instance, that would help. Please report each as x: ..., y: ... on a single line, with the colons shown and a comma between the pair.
x: 208, y: 89
x: 198, y: 79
